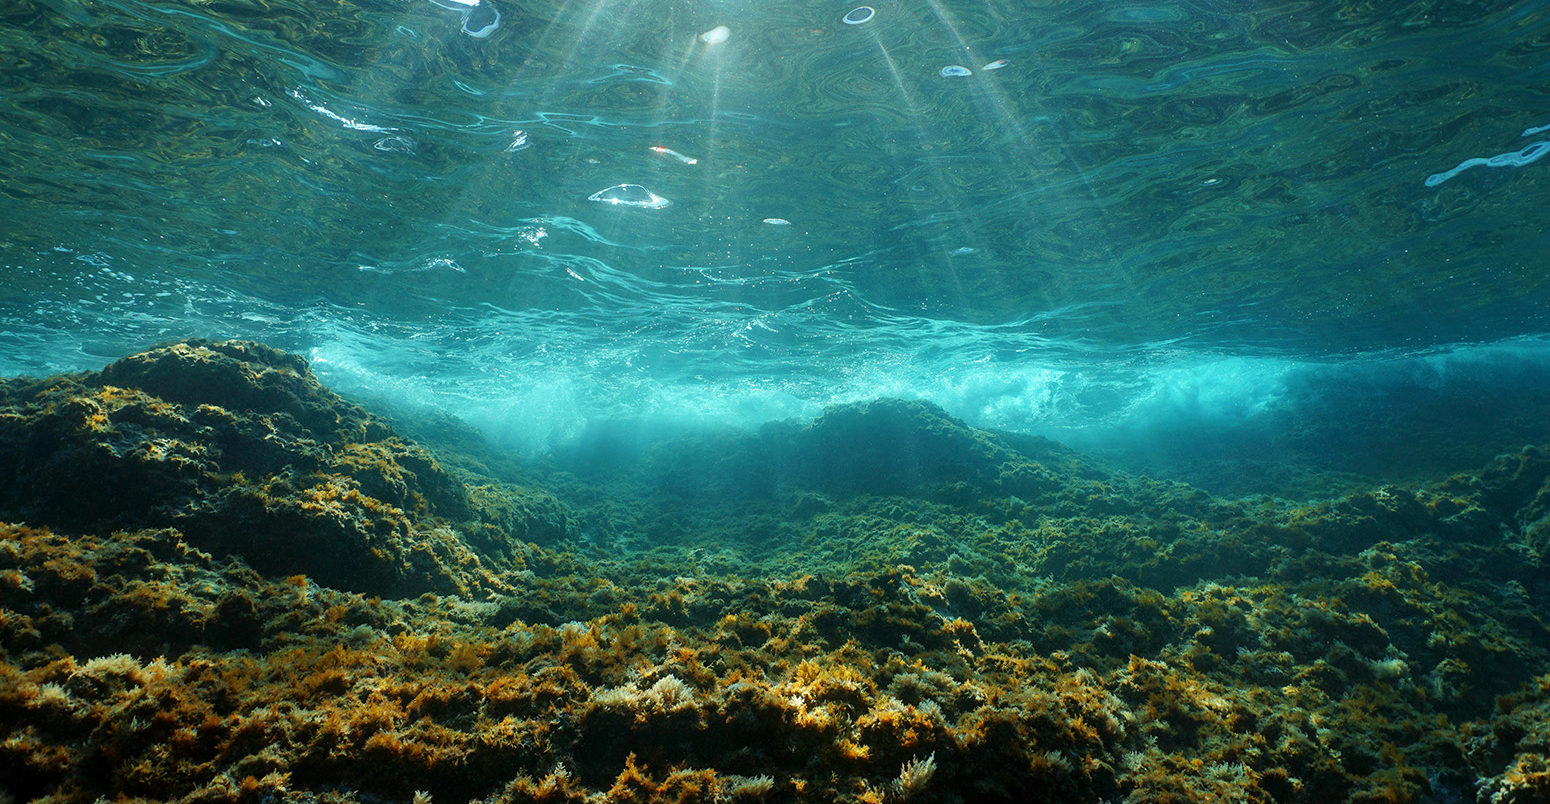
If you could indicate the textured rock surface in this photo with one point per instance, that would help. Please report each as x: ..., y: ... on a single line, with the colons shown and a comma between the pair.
x: 240, y: 448
x: 211, y: 590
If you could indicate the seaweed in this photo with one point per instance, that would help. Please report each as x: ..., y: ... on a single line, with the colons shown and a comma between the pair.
x: 220, y: 581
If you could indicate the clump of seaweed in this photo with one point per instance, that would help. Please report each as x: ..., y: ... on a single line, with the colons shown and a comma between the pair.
x: 914, y: 777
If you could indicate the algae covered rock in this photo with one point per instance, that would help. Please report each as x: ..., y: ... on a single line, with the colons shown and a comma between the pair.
x: 882, y: 447
x: 238, y: 446
x: 211, y: 591
x: 246, y: 376
x: 891, y: 446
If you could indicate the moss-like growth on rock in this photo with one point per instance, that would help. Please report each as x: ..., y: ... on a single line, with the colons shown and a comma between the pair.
x: 213, y: 589
x: 240, y: 448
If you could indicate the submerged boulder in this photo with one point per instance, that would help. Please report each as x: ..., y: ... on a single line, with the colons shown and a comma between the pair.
x: 892, y: 446
x: 915, y: 448
x: 238, y: 446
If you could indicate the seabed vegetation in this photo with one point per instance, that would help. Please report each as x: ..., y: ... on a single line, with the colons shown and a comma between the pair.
x: 222, y: 582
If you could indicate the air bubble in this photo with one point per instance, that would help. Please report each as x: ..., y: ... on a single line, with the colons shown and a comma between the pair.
x: 629, y: 195
x: 395, y: 144
x: 481, y: 21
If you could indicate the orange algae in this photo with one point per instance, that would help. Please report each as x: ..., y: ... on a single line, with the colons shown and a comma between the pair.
x: 295, y: 603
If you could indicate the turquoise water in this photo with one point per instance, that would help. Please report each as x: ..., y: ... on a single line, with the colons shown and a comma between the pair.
x: 1174, y: 227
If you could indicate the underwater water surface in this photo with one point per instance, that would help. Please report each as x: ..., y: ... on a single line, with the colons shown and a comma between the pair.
x: 1166, y: 224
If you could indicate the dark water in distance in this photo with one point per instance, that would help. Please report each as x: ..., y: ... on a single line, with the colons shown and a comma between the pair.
x: 1158, y: 222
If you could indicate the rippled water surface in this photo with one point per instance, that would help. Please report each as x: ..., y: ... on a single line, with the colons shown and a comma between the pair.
x: 1147, y: 215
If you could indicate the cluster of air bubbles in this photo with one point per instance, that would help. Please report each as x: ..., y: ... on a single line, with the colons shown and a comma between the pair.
x: 637, y: 196
x: 861, y: 15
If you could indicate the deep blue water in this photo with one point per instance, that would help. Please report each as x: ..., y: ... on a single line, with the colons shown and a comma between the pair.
x: 1158, y: 225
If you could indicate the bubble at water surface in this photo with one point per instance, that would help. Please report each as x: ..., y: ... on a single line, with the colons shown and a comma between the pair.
x: 395, y: 144
x: 481, y: 21
x: 629, y: 195
x: 859, y: 15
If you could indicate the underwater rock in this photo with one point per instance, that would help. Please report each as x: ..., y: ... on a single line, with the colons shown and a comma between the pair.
x: 882, y: 447
x: 212, y: 589
x: 1513, y: 753
x: 891, y: 446
x: 239, y: 447
x: 241, y: 376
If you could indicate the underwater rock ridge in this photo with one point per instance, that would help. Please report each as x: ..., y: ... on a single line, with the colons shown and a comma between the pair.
x: 240, y: 448
x: 222, y: 582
